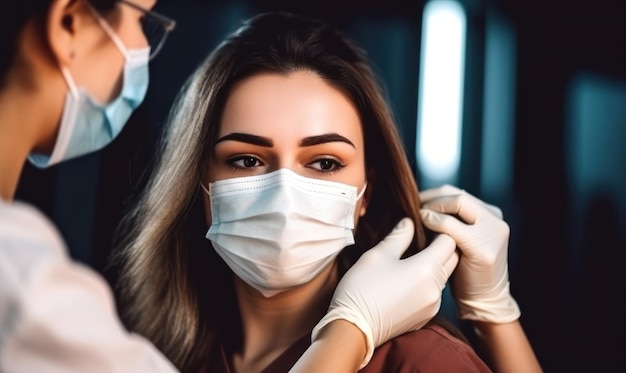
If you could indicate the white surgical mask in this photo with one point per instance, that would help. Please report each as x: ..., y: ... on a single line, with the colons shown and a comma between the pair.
x: 86, y: 125
x: 280, y: 230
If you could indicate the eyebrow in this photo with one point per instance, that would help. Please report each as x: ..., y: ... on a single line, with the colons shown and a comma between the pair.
x: 327, y: 137
x: 267, y: 142
x: 247, y: 138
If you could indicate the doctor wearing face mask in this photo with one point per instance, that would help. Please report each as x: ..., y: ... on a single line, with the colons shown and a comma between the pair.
x: 72, y: 72
x: 88, y: 125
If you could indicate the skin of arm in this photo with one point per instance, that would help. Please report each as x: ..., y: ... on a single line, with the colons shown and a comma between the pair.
x: 340, y: 347
x: 506, y: 348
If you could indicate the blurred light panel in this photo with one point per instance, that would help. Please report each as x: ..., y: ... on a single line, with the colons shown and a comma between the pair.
x: 498, y: 137
x: 440, y: 103
x: 595, y: 156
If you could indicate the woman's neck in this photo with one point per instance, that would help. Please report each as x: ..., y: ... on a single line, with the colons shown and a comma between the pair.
x: 271, y: 325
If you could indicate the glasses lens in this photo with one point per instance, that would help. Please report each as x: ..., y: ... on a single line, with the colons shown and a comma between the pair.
x: 155, y: 32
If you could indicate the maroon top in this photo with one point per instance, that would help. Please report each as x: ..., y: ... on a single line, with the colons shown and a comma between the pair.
x: 430, y: 349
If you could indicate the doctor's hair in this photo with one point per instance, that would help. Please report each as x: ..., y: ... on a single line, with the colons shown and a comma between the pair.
x: 177, y: 291
x: 15, y: 16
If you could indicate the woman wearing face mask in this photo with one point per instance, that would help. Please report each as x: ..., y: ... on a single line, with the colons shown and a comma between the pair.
x: 72, y: 71
x: 283, y: 146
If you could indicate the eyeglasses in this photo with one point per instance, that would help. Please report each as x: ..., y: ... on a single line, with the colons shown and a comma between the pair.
x: 155, y: 26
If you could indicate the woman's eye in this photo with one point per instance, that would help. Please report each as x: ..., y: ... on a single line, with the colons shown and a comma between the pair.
x: 245, y: 162
x: 326, y: 165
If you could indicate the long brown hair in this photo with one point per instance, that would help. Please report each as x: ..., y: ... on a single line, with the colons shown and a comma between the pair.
x: 177, y: 291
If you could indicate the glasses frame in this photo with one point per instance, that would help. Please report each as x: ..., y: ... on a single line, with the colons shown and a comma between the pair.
x: 167, y: 23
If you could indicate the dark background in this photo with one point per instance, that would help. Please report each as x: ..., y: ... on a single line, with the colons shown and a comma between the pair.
x: 544, y: 138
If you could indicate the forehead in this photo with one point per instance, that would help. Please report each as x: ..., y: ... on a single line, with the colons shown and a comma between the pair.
x: 297, y: 104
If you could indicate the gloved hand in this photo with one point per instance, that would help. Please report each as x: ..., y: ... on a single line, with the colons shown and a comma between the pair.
x: 480, y: 284
x: 385, y: 296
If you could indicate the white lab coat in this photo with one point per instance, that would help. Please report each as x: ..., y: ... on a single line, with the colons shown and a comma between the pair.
x: 57, y: 315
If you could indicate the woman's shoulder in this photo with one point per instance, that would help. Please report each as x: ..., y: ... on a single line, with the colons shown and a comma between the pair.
x: 430, y: 349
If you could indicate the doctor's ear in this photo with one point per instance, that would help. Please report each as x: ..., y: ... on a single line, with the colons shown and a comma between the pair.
x: 62, y: 23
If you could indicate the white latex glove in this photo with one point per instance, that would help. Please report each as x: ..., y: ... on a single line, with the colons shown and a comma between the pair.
x: 385, y: 296
x: 480, y: 284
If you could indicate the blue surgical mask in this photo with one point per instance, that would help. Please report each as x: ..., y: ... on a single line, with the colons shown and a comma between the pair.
x: 86, y: 125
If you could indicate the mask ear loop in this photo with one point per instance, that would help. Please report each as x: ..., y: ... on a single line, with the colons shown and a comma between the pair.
x: 70, y: 81
x: 112, y: 34
x: 362, y: 192
x: 204, y: 188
